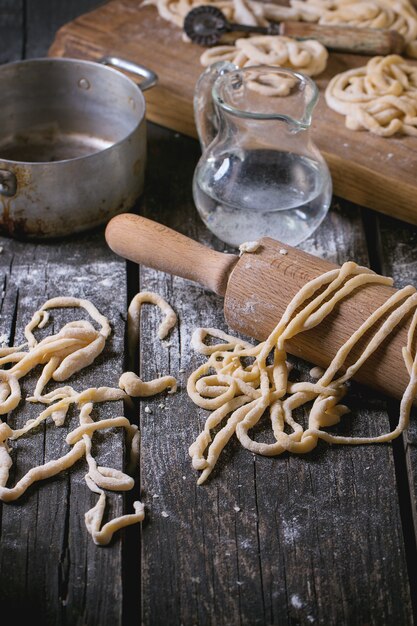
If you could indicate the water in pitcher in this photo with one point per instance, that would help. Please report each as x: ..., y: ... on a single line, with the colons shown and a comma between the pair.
x: 278, y: 194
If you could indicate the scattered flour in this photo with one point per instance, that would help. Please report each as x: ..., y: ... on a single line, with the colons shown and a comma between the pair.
x: 290, y: 532
x: 296, y: 601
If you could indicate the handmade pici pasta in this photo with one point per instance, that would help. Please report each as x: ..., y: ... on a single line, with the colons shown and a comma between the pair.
x: 73, y: 348
x: 309, y: 57
x: 380, y: 97
x: 399, y: 15
x: 239, y: 394
x: 247, y: 12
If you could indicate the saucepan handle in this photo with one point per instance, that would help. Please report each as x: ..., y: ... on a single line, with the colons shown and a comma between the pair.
x: 8, y: 183
x: 149, y: 77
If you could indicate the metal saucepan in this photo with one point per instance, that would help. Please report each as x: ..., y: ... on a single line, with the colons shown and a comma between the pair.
x: 72, y: 144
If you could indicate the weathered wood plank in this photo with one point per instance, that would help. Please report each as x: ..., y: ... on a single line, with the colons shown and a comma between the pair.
x: 58, y: 573
x: 310, y: 541
x: 398, y: 258
x: 12, y: 34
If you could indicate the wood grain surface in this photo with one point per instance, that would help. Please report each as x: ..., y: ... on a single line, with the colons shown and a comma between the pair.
x: 261, y: 286
x: 373, y: 171
x: 293, y: 553
x: 323, y: 539
x: 44, y: 541
x: 152, y: 244
x: 50, y: 570
x: 397, y: 249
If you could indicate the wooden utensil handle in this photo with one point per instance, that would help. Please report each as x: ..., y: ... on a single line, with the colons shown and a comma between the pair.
x: 369, y: 41
x: 154, y: 245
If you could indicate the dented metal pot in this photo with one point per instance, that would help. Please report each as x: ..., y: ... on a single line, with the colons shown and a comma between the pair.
x: 72, y: 144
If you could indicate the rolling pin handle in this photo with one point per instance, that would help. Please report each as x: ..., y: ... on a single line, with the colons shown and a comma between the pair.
x: 152, y: 244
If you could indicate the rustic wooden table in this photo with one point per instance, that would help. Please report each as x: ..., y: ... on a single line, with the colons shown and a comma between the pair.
x: 328, y: 538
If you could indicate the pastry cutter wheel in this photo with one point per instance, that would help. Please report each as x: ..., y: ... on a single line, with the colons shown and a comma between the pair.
x: 205, y: 25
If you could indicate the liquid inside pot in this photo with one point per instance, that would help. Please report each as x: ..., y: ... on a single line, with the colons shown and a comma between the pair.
x: 48, y: 144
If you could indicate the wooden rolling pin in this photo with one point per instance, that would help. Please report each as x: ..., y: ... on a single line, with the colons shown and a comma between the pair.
x: 257, y: 288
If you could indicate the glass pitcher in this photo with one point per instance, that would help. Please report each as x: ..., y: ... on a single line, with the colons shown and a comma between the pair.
x: 260, y: 174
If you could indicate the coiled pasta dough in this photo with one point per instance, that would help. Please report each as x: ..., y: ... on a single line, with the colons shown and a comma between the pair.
x: 241, y: 393
x: 247, y: 12
x: 308, y: 57
x: 73, y: 348
x: 399, y: 15
x: 380, y: 97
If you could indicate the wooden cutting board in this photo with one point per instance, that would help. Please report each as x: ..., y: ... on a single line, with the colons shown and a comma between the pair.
x: 372, y: 171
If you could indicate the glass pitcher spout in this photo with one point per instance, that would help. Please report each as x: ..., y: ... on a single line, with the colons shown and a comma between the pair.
x: 224, y: 88
x: 260, y: 173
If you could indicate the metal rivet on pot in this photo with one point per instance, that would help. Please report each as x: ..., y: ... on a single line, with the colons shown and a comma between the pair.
x: 83, y: 83
x: 8, y: 183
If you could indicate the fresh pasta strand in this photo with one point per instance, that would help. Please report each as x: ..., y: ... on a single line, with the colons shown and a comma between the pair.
x: 380, y: 97
x: 73, y: 348
x: 93, y: 518
x: 129, y: 381
x: 242, y: 404
x: 307, y: 56
x: 247, y: 12
x: 399, y: 15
